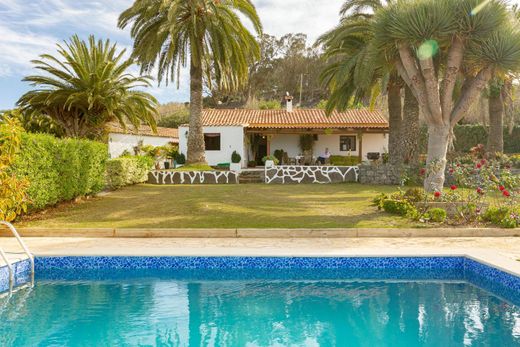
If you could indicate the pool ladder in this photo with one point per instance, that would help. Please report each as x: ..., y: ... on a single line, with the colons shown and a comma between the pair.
x: 15, y: 233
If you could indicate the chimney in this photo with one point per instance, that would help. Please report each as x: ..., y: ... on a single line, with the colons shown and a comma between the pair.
x: 289, y: 100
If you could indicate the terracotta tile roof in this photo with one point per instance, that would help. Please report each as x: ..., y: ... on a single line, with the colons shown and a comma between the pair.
x: 144, y: 130
x: 299, y: 118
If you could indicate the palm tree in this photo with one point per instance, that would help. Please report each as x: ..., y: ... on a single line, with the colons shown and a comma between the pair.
x: 207, y: 33
x: 496, y: 90
x: 87, y: 86
x: 437, y: 45
x: 356, y: 71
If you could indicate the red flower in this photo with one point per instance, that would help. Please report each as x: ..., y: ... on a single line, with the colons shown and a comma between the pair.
x: 480, y: 191
x: 483, y: 162
x: 502, y: 188
x: 453, y: 187
x: 451, y: 170
x: 422, y: 172
x: 479, y: 165
x: 437, y: 194
x: 506, y: 193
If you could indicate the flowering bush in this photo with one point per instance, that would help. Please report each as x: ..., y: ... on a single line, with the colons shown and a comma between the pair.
x: 482, y: 190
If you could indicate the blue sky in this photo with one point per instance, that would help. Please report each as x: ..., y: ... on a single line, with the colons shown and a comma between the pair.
x: 30, y: 28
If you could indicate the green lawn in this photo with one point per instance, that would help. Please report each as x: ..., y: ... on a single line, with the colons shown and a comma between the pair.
x: 226, y: 206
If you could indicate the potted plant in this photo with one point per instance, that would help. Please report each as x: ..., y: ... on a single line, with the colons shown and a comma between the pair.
x: 171, y: 151
x: 235, y: 162
x: 180, y: 160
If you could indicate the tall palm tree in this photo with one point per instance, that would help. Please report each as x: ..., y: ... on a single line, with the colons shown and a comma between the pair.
x: 87, y: 86
x: 438, y: 44
x: 356, y: 71
x: 209, y: 34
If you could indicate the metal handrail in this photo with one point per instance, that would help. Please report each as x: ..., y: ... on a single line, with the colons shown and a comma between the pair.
x: 24, y: 246
x: 10, y: 268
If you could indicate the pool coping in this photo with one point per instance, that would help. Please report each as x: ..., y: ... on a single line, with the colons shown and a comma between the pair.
x: 265, y: 232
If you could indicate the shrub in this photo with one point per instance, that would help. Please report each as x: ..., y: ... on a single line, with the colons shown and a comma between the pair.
x: 269, y: 105
x: 415, y: 195
x: 400, y: 207
x: 235, y: 157
x: 279, y: 154
x: 180, y: 159
x: 340, y: 160
x: 251, y: 163
x: 501, y: 216
x: 124, y: 171
x: 438, y: 215
x: 13, y: 196
x: 60, y: 169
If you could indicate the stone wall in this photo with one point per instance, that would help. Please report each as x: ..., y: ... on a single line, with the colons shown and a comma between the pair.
x: 380, y: 174
x: 311, y: 174
x: 193, y: 177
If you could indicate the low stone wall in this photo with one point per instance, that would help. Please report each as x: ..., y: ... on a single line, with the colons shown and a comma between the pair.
x: 311, y: 174
x: 380, y: 174
x: 193, y: 177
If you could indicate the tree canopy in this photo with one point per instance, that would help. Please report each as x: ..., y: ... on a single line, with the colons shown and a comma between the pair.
x: 86, y: 86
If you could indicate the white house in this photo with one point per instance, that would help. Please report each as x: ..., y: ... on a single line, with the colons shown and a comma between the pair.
x: 121, y: 140
x: 353, y: 132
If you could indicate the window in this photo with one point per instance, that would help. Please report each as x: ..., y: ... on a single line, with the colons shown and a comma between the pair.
x: 347, y: 143
x: 212, y: 142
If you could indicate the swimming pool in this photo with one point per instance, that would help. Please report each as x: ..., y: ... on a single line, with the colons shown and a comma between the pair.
x: 245, y: 301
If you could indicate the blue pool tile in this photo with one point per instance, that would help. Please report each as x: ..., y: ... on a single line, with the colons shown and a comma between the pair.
x: 22, y: 272
x: 460, y: 268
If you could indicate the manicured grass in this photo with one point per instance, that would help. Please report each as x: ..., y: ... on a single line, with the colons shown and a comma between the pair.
x: 226, y: 206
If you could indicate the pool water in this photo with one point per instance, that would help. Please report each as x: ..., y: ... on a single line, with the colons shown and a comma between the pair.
x: 253, y: 308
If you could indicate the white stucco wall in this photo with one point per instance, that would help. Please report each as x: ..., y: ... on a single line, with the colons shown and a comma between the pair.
x: 291, y: 144
x: 374, y: 143
x: 118, y: 143
x: 231, y: 139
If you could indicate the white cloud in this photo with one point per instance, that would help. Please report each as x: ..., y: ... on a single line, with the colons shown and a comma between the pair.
x: 298, y: 16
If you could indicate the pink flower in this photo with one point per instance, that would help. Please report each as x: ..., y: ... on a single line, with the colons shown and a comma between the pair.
x: 422, y: 172
x: 453, y: 187
x: 483, y: 162
x: 437, y: 194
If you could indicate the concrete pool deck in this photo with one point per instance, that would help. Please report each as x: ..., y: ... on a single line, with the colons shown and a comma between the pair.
x: 500, y: 252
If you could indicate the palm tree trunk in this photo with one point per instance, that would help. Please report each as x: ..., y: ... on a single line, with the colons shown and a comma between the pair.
x: 394, y: 121
x: 496, y: 123
x: 410, y: 129
x: 438, y: 141
x: 196, y: 146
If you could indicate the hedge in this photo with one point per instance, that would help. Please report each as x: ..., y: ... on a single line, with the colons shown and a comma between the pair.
x: 60, y: 169
x: 128, y: 170
x: 470, y: 135
x: 340, y: 160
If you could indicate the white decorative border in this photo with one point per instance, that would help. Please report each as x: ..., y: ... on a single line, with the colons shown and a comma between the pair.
x: 193, y: 177
x: 309, y: 172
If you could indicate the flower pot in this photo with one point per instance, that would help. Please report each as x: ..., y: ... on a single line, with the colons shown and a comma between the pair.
x: 237, y: 167
x: 269, y: 163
